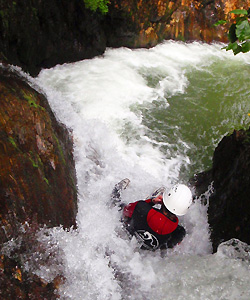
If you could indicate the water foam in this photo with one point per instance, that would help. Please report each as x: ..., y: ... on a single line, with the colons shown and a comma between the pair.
x: 94, y: 98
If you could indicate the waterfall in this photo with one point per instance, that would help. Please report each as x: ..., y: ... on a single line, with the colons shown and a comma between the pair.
x: 155, y: 117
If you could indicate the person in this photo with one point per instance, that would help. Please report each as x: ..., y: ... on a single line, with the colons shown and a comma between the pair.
x: 158, y: 228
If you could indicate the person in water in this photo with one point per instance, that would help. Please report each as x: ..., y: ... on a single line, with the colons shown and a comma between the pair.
x: 158, y: 228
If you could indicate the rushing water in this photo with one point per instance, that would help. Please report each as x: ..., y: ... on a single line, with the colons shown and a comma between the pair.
x: 154, y: 116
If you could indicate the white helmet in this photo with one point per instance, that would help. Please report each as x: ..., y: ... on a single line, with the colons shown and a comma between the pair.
x: 178, y: 199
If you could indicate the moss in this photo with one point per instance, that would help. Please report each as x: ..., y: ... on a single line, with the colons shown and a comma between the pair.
x: 31, y: 101
x: 72, y: 183
x: 2, y: 13
x: 46, y: 180
x: 3, y: 56
x: 35, y: 13
x: 39, y: 160
x: 60, y: 149
x: 13, y: 142
x: 34, y: 10
x: 5, y: 19
x: 33, y: 163
x: 181, y: 37
x: 36, y: 160
x: 37, y: 163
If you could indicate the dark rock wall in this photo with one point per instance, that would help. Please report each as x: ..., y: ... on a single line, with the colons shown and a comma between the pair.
x: 40, y: 34
x: 37, y: 175
x: 37, y: 185
x: 154, y: 20
x: 17, y: 284
x: 229, y: 205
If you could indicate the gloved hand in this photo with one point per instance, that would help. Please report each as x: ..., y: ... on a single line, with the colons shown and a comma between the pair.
x: 157, y: 196
x: 158, y: 200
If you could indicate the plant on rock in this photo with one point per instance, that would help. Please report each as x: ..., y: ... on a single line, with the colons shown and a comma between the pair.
x: 101, y: 5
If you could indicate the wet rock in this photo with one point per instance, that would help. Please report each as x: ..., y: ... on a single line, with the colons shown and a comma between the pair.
x: 229, y: 205
x: 38, y: 181
x: 37, y: 187
x: 31, y: 265
x: 18, y: 284
x: 134, y: 23
x: 40, y: 34
x: 234, y: 249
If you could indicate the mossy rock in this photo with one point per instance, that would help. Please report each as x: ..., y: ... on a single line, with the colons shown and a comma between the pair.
x: 37, y: 175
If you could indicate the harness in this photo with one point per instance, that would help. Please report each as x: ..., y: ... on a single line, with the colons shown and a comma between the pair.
x: 149, y: 225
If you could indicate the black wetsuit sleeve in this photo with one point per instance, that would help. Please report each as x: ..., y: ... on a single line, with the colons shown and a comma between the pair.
x: 139, y: 217
x: 175, y: 237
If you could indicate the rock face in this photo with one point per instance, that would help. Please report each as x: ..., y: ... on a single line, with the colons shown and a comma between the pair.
x: 154, y: 20
x: 229, y: 205
x: 38, y: 182
x: 16, y: 284
x: 40, y: 34
x: 37, y: 175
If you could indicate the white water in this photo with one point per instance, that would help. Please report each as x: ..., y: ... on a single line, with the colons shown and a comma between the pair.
x: 95, y: 98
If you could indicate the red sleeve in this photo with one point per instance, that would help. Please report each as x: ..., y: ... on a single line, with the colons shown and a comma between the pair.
x: 129, y: 209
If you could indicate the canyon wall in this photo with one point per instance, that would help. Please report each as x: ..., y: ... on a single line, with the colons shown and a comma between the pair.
x: 40, y: 34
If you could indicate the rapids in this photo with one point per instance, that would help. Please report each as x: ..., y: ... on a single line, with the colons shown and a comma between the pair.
x: 155, y: 117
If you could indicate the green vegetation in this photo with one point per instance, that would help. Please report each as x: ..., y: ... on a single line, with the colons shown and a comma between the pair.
x: 60, y: 149
x: 46, y: 180
x: 34, y: 164
x: 239, y: 32
x: 4, y: 19
x: 32, y: 101
x: 12, y: 141
x: 101, y: 5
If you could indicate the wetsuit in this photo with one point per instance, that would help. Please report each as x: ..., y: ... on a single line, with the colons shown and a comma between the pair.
x: 151, y: 227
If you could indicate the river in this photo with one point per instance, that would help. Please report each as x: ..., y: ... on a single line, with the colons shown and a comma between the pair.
x: 154, y: 116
